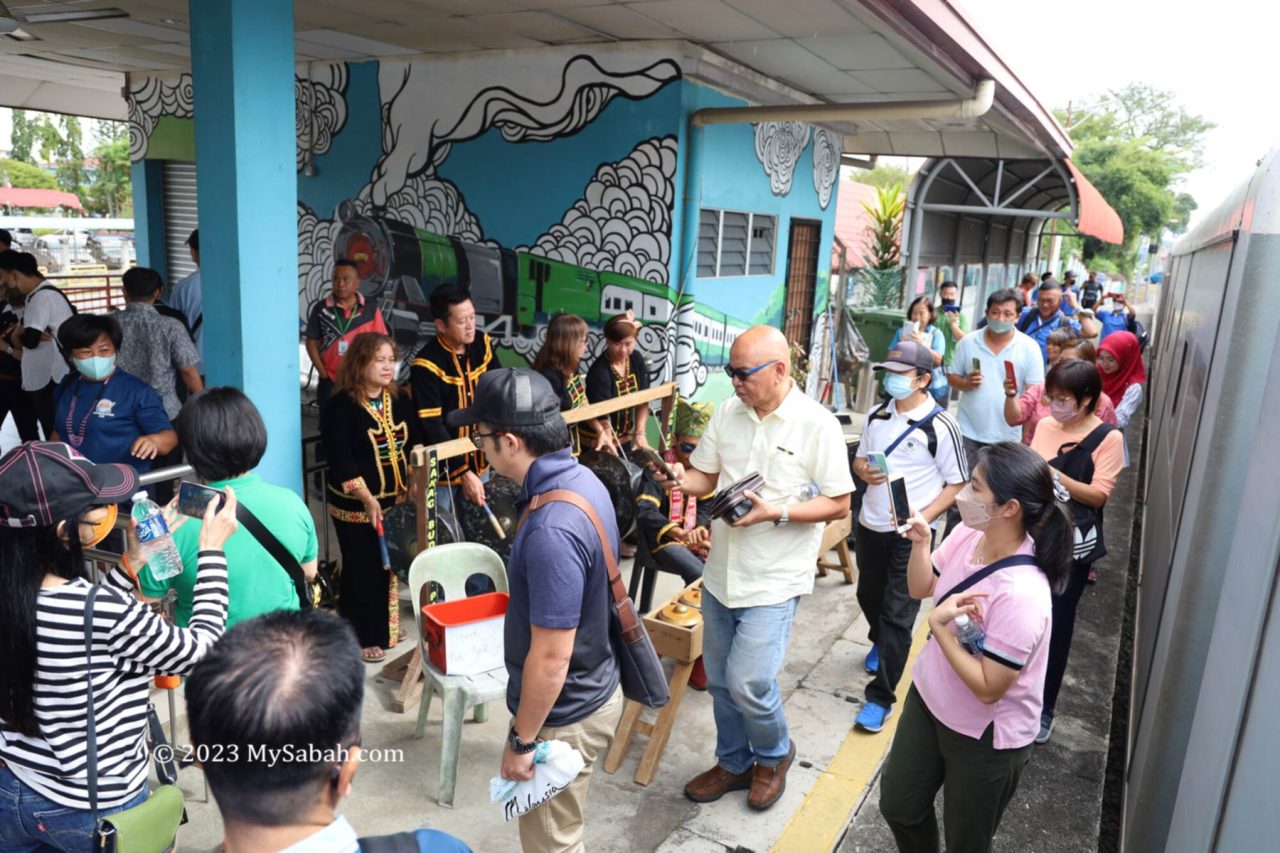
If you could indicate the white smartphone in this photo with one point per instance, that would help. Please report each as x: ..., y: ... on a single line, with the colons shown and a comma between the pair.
x: 909, y: 328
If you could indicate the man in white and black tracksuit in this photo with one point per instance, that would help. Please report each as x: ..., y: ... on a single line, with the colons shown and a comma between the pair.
x: 921, y: 444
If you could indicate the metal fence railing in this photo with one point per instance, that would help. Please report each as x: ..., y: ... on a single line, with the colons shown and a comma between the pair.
x: 91, y: 293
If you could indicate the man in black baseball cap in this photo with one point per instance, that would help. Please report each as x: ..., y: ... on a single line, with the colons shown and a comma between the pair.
x: 562, y: 677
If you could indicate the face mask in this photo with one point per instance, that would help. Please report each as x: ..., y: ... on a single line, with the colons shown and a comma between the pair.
x: 101, y: 528
x: 1000, y: 327
x: 97, y: 368
x: 1063, y: 412
x: 973, y: 513
x: 898, y: 387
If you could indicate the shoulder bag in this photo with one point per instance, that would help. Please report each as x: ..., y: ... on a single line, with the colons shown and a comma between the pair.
x: 152, y: 826
x: 643, y: 679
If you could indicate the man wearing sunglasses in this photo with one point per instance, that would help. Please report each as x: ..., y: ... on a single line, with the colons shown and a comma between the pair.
x: 759, y: 567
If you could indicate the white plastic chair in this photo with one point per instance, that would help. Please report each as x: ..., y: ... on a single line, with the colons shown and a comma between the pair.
x: 449, y: 566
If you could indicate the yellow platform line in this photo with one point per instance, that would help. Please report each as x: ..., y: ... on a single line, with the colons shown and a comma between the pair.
x: 825, y: 812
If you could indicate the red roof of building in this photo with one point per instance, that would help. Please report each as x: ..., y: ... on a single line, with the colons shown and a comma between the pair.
x: 852, y: 221
x: 21, y: 197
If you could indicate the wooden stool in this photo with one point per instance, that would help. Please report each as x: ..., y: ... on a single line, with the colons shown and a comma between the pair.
x: 835, y: 538
x: 673, y: 641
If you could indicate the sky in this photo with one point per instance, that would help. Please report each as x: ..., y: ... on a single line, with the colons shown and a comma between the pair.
x: 1221, y: 59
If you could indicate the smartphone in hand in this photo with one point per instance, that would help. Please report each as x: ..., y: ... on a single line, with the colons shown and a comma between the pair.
x: 876, y: 458
x: 899, y: 507
x: 977, y: 365
x: 1009, y: 372
x: 194, y: 499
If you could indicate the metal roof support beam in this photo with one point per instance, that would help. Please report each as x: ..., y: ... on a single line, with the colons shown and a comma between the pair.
x: 968, y: 180
x: 972, y: 107
x: 994, y: 211
x: 1028, y: 185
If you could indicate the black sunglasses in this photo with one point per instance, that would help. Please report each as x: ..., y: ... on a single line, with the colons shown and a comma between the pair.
x: 743, y: 373
x: 687, y: 447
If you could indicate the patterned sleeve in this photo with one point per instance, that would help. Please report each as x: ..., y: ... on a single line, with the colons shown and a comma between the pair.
x: 153, y: 644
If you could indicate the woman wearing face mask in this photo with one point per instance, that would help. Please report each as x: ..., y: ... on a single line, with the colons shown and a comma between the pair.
x: 1032, y: 406
x: 930, y: 337
x: 56, y: 503
x: 969, y: 719
x: 107, y: 414
x: 1087, y: 455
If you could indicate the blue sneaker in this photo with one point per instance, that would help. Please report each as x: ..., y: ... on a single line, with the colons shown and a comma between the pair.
x: 872, y: 717
x: 872, y: 662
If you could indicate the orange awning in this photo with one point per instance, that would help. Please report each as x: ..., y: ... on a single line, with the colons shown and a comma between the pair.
x: 22, y: 197
x: 1096, y: 217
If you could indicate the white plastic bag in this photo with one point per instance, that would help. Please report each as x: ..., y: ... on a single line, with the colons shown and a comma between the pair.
x: 555, y: 766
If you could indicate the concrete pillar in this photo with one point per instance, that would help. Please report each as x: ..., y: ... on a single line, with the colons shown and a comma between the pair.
x: 242, y: 60
x: 148, y: 216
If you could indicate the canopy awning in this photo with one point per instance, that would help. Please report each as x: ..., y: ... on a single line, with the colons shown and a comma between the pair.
x: 1093, y: 215
x: 45, y: 199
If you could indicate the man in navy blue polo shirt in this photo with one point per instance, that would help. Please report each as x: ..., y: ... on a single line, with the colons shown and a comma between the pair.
x: 1050, y: 314
x: 562, y: 676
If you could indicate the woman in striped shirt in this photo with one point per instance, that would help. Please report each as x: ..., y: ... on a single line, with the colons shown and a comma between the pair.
x: 56, y: 502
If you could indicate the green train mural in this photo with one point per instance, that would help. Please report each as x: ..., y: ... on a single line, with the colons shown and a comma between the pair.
x: 399, y: 266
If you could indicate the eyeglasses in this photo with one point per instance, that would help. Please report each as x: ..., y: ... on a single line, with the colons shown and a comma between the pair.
x: 687, y: 447
x: 742, y: 374
x: 476, y: 436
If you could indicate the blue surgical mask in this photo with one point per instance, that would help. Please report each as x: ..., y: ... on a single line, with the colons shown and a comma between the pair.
x: 898, y: 386
x: 1000, y: 327
x: 97, y: 368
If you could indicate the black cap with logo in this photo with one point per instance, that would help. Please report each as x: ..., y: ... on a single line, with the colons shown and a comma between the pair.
x: 44, y: 482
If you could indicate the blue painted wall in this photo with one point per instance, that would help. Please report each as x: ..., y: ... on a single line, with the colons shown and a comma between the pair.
x: 341, y: 171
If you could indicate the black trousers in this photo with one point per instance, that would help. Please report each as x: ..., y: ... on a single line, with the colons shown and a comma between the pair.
x: 977, y: 782
x: 13, y: 400
x: 1064, y: 627
x: 679, y: 560
x: 363, y: 586
x: 889, y: 607
x: 42, y: 405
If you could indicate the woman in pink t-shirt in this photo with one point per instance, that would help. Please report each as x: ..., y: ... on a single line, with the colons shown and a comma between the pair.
x: 1032, y: 406
x: 969, y: 719
x: 1087, y: 456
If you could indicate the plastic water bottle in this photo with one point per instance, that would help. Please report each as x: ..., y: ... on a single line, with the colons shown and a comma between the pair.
x: 163, y: 560
x: 807, y: 492
x: 970, y: 634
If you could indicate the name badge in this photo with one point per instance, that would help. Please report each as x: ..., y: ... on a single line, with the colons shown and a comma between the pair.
x: 342, y: 348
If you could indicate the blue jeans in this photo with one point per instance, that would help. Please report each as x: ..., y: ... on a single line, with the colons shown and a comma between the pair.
x: 32, y: 822
x: 742, y: 651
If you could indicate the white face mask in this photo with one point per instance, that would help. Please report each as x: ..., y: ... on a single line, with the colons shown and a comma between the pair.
x: 972, y: 512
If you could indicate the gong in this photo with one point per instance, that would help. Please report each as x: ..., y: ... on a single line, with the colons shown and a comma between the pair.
x: 400, y: 527
x: 500, y: 493
x: 617, y: 476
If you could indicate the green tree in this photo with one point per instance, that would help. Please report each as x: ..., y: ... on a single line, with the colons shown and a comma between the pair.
x: 1134, y: 144
x: 23, y: 138
x: 15, y: 173
x: 110, y: 193
x: 70, y: 169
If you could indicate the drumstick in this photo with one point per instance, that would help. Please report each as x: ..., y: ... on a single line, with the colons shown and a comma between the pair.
x: 493, y: 519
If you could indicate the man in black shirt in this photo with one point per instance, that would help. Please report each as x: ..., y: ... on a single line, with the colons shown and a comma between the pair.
x: 12, y: 400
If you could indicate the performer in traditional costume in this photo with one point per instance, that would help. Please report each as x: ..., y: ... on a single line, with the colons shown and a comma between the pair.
x: 619, y: 370
x: 558, y: 361
x: 443, y: 378
x: 367, y: 428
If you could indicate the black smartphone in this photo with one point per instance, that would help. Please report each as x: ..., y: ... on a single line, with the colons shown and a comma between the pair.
x: 194, y: 499
x: 899, y: 508
x: 951, y: 309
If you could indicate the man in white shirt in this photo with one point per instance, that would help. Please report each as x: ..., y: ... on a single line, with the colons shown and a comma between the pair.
x: 978, y: 372
x: 921, y: 443
x: 42, y: 363
x: 759, y: 567
x: 274, y: 712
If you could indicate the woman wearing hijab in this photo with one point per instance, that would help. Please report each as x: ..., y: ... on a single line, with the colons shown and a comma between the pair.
x: 1120, y: 363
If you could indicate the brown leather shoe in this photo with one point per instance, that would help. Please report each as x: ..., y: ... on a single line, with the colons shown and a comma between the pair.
x: 768, y: 783
x: 715, y: 783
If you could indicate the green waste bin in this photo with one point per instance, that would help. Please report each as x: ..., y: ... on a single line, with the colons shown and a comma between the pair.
x: 877, y: 326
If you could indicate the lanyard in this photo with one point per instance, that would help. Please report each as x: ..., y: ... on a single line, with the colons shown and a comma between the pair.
x: 337, y: 317
x: 76, y: 437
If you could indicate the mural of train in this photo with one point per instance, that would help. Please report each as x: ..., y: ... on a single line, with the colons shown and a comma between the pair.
x: 515, y: 292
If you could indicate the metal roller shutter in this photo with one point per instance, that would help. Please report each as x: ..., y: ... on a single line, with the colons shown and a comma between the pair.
x: 179, y: 217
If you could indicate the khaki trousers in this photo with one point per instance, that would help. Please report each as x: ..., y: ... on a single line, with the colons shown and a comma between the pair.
x: 557, y: 825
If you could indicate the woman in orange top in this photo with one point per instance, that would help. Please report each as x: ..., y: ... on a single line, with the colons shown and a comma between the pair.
x: 1087, y: 456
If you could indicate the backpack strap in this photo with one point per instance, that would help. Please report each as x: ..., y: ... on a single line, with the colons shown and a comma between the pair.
x: 278, y: 552
x: 922, y: 424
x: 984, y: 573
x: 1089, y: 443
x: 631, y: 627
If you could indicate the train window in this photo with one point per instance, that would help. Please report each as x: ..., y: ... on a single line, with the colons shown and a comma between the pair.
x: 731, y: 243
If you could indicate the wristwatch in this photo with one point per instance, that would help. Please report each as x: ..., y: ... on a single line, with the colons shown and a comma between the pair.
x: 784, y: 518
x: 520, y: 747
